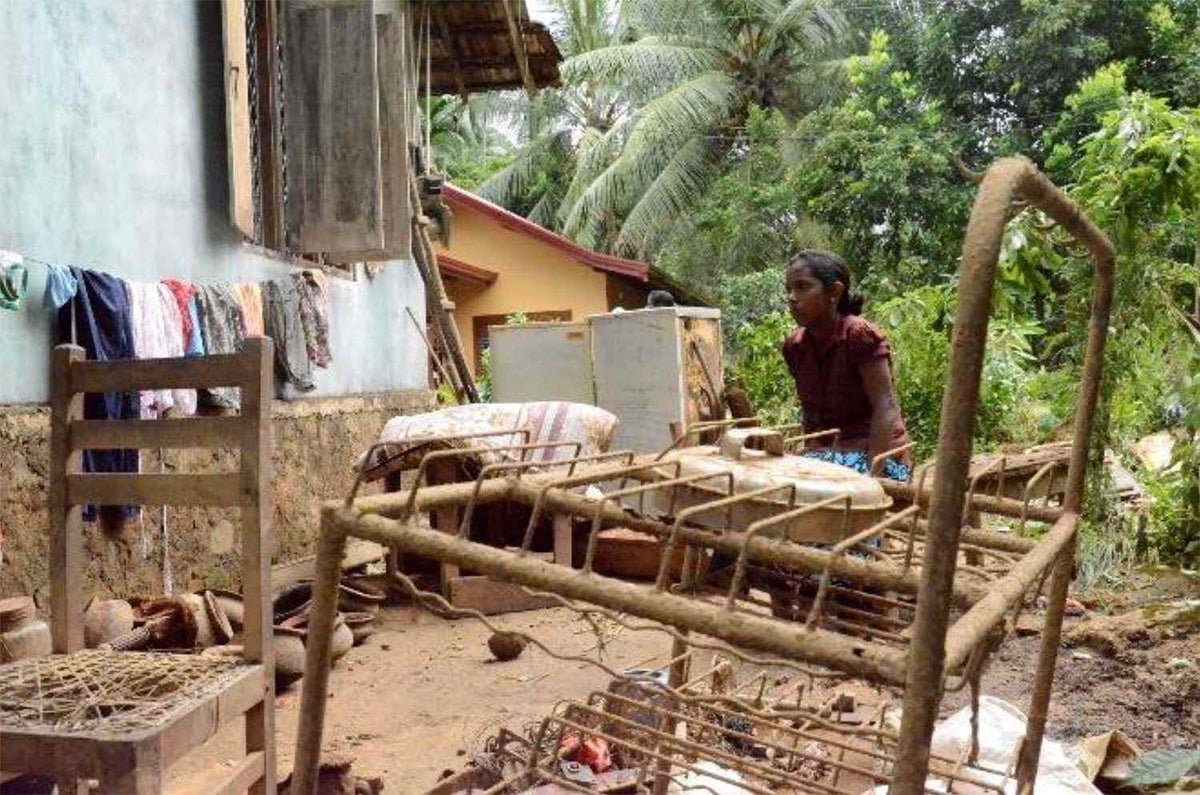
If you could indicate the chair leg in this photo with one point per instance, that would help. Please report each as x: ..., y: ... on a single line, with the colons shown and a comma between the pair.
x: 145, y: 777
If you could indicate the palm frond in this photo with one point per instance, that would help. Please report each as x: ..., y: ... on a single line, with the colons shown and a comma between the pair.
x: 506, y: 185
x: 594, y: 152
x: 677, y: 188
x: 646, y: 61
x: 815, y: 25
x: 688, y: 111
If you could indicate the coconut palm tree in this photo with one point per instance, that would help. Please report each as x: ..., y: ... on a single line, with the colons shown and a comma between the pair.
x: 692, y: 69
x: 561, y: 127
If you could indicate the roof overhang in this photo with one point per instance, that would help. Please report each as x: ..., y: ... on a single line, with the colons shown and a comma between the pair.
x: 474, y: 46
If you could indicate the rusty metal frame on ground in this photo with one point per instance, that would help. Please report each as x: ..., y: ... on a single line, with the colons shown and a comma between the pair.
x: 934, y: 644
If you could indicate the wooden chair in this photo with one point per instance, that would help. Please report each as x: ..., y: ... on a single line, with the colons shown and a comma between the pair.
x: 123, y: 718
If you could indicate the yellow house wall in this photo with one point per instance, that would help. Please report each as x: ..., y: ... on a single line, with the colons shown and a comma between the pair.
x: 533, y: 275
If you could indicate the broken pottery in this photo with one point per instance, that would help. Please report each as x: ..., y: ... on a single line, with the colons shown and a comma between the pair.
x: 362, y: 626
x: 22, y: 633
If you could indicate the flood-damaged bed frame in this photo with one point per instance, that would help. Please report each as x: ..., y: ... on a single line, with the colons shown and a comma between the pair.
x: 940, y: 592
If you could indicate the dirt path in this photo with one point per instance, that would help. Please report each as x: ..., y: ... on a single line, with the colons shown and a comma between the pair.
x: 423, y: 694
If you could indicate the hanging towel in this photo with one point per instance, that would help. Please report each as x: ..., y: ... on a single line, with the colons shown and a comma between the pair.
x: 249, y: 296
x: 281, y: 310
x: 97, y: 319
x: 195, y: 343
x: 14, y: 280
x: 60, y: 286
x: 184, y: 292
x: 158, y: 334
x: 314, y: 314
x: 223, y: 330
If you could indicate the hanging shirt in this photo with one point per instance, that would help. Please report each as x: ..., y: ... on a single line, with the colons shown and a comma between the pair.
x: 281, y: 310
x: 97, y: 319
x: 158, y: 334
x: 829, y: 382
x: 249, y: 296
x: 223, y: 330
x: 60, y: 286
x: 314, y: 315
x: 184, y: 292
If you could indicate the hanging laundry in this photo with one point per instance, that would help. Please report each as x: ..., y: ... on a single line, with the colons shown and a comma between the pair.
x: 194, y: 341
x: 60, y: 286
x: 314, y: 314
x: 97, y: 319
x: 223, y: 330
x: 249, y: 297
x: 158, y: 334
x: 14, y: 280
x: 184, y: 292
x: 281, y: 310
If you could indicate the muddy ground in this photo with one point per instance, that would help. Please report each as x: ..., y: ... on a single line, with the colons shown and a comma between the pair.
x: 423, y: 694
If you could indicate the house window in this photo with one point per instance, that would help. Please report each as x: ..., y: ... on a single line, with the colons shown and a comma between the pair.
x: 317, y: 101
x: 481, y: 323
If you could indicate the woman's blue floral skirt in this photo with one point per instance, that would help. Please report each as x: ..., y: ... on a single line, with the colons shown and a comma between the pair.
x: 892, y: 469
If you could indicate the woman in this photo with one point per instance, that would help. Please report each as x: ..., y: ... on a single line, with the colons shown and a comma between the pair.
x: 842, y: 367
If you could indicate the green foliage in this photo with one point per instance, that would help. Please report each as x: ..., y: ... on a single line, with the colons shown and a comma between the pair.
x: 879, y: 175
x: 748, y: 224
x: 759, y: 366
x: 919, y: 324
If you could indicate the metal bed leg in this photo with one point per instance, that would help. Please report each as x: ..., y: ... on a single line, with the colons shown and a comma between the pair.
x: 1039, y: 700
x: 330, y: 549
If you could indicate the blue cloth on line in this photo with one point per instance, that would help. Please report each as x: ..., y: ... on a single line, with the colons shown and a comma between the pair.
x: 194, y: 346
x: 97, y: 319
x: 60, y: 286
x: 892, y: 469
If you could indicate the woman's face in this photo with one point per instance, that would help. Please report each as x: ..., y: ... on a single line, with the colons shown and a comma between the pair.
x: 809, y: 301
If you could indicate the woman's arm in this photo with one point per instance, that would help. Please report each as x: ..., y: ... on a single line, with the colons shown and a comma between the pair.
x: 885, y: 412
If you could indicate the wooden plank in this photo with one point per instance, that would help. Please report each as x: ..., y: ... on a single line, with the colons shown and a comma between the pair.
x: 222, y: 779
x: 563, y: 539
x: 149, y: 434
x: 122, y: 375
x: 334, y: 199
x: 393, y: 120
x: 170, y: 489
x: 492, y: 597
x: 145, y: 778
x: 63, y: 757
x: 257, y: 547
x: 237, y: 117
x: 270, y: 137
x: 66, y: 518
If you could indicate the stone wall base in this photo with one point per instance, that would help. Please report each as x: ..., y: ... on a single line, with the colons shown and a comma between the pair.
x: 316, y: 443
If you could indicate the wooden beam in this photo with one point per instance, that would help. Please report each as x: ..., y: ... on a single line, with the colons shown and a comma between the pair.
x: 110, y: 488
x: 270, y: 148
x: 516, y: 35
x: 66, y: 519
x: 171, y: 433
x: 124, y: 375
x: 451, y: 48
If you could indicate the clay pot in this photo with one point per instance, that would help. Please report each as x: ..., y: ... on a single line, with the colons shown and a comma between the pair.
x: 206, y: 630
x: 358, y: 596
x: 292, y: 601
x: 289, y: 656
x: 340, y: 643
x: 22, y: 633
x: 362, y: 626
x: 233, y: 606
x: 222, y: 631
x: 106, y: 619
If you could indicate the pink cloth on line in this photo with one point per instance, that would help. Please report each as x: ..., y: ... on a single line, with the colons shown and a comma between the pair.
x: 183, y: 292
x: 157, y: 334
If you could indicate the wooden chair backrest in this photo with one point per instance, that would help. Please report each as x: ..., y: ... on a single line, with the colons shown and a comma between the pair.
x: 247, y: 489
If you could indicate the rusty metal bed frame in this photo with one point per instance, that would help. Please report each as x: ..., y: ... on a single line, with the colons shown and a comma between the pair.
x: 939, y: 592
